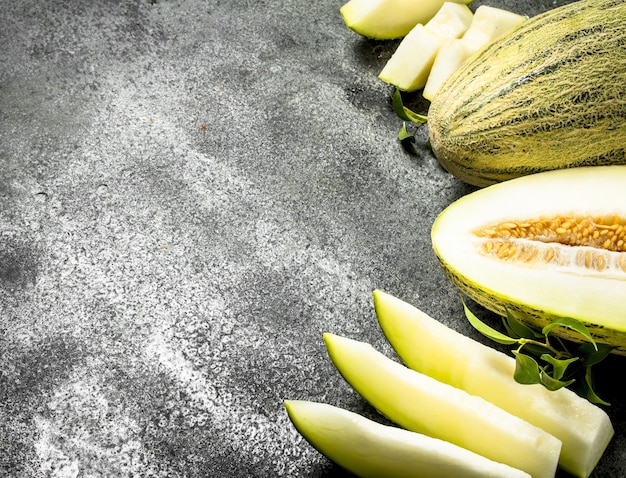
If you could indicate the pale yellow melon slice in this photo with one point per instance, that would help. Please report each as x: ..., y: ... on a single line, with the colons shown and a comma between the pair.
x: 449, y: 57
x: 389, y: 19
x: 373, y: 450
x: 488, y: 24
x: 422, y: 404
x: 430, y: 347
x: 410, y: 64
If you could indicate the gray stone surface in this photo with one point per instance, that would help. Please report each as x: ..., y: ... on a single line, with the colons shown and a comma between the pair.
x: 191, y: 193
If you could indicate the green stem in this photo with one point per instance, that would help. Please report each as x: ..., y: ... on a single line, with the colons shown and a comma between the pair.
x: 557, y: 353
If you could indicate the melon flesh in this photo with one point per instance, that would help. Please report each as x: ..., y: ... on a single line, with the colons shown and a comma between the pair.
x: 372, y: 450
x: 488, y: 24
x: 422, y: 404
x: 428, y: 346
x: 389, y: 19
x: 450, y: 55
x: 409, y: 66
x: 549, y: 244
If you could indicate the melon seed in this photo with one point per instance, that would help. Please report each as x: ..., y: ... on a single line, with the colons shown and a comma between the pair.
x: 541, y: 240
x: 569, y: 231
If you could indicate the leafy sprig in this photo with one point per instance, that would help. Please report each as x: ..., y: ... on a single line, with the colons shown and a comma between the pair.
x: 542, y: 358
x: 407, y: 115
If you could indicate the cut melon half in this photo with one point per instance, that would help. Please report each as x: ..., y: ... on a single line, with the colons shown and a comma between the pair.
x: 389, y: 19
x: 409, y: 66
x: 372, y: 450
x: 422, y: 404
x: 488, y: 24
x: 543, y: 246
x: 430, y: 347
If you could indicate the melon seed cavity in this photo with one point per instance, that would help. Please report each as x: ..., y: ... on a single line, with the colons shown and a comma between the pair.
x: 592, y: 243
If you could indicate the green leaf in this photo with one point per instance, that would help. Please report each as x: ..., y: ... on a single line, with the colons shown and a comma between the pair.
x: 509, y: 329
x: 486, y: 330
x: 526, y: 369
x: 572, y: 324
x: 403, y: 134
x: 542, y: 362
x: 559, y: 366
x: 518, y: 329
x: 552, y: 383
x: 590, y: 393
x: 403, y: 112
x: 592, y: 355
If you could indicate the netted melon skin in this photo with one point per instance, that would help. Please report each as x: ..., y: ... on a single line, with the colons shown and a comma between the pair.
x: 549, y: 95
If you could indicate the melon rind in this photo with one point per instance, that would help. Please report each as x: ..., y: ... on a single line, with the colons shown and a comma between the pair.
x: 430, y: 347
x: 536, y: 293
x: 373, y: 450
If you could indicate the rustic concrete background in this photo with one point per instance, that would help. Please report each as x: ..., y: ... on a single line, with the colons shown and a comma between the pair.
x: 191, y: 193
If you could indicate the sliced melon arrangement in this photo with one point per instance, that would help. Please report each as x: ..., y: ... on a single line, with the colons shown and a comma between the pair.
x: 488, y: 24
x: 430, y: 53
x: 542, y: 249
x: 583, y: 428
x: 436, y: 36
x: 454, y: 401
x: 409, y: 66
x: 423, y: 404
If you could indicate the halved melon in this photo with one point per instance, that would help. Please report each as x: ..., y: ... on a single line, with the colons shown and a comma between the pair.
x: 422, y: 404
x: 372, y: 450
x: 430, y: 347
x: 543, y: 246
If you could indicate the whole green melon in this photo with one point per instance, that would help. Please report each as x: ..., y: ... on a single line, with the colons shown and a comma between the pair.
x: 551, y: 94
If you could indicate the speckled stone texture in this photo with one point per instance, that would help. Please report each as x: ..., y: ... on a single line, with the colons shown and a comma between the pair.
x: 191, y: 193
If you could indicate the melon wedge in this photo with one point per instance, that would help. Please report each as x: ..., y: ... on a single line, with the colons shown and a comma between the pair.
x: 488, y: 24
x: 428, y: 346
x: 409, y: 66
x: 372, y: 450
x: 422, y: 404
x: 389, y: 19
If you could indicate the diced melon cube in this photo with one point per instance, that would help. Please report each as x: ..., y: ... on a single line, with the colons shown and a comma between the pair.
x: 451, y: 21
x: 372, y: 450
x: 422, y: 404
x: 488, y: 24
x: 448, y: 59
x: 389, y: 19
x: 430, y: 347
x: 409, y: 66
